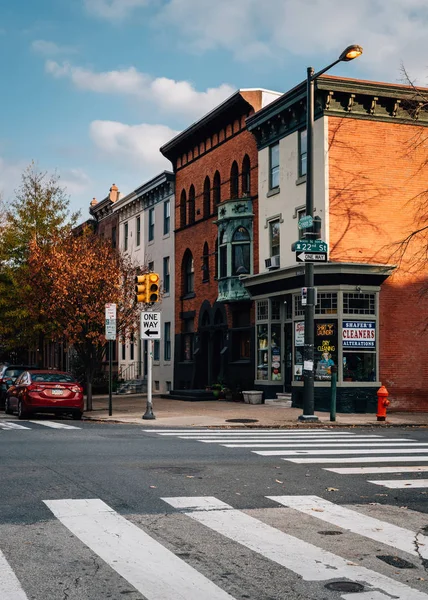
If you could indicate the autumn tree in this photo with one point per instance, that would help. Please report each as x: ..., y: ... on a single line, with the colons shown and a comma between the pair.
x: 73, y: 278
x: 39, y: 212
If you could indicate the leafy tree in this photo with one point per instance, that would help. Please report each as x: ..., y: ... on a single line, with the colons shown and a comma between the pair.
x: 73, y: 278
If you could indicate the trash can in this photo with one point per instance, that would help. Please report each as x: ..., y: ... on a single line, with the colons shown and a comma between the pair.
x: 253, y: 397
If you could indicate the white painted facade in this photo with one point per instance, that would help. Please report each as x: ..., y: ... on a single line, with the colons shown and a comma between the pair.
x: 146, y: 234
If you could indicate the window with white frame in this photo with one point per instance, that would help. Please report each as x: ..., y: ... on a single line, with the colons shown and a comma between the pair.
x: 138, y: 231
x: 269, y: 341
x: 166, y: 217
x: 167, y: 341
x: 125, y: 236
x: 274, y: 166
x: 151, y: 224
x: 166, y: 275
x: 274, y: 237
x: 303, y: 149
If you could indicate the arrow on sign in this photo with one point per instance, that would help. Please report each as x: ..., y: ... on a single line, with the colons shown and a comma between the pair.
x: 311, y: 257
x: 150, y: 332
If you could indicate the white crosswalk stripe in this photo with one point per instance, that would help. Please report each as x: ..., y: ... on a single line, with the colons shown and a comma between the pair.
x: 130, y: 551
x: 9, y: 425
x: 368, y: 470
x: 402, y: 484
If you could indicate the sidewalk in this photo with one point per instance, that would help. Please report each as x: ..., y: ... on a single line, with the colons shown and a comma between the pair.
x: 220, y: 413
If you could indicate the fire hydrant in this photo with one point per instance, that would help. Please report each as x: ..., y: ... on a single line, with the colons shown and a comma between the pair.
x: 382, y: 403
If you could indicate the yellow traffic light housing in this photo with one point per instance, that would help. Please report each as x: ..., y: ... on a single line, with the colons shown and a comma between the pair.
x: 141, y: 288
x: 153, y: 287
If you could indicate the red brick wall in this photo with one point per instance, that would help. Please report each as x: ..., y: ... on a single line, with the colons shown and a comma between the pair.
x: 377, y: 180
x: 204, y: 230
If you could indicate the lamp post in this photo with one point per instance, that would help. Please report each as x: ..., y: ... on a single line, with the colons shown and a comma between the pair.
x: 348, y: 54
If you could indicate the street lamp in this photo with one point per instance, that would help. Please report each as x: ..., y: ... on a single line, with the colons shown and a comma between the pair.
x: 348, y: 54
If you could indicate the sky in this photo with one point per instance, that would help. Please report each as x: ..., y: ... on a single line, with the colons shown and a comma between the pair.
x: 92, y: 88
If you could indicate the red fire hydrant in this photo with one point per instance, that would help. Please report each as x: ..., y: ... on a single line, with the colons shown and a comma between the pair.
x: 382, y: 403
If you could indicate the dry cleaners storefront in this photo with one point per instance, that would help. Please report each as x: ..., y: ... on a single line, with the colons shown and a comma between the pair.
x: 346, y: 333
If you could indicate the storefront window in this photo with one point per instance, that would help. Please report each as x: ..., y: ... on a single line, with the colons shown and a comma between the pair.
x: 299, y: 343
x: 275, y: 348
x: 325, y: 350
x: 359, y: 350
x: 359, y: 366
x: 262, y: 352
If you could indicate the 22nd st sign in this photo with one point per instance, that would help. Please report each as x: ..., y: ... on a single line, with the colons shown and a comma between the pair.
x: 150, y: 325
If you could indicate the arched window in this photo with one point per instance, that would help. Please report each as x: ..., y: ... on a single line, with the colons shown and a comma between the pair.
x: 241, y: 247
x: 207, y: 197
x: 216, y: 189
x: 205, y: 322
x: 218, y: 317
x: 234, y: 180
x: 188, y: 273
x: 223, y: 254
x: 192, y: 205
x: 183, y: 221
x: 246, y: 171
x: 206, y: 263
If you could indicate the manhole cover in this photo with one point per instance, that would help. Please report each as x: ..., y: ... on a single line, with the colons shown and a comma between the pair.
x: 242, y: 421
x: 344, y: 586
x: 330, y: 532
x: 394, y: 561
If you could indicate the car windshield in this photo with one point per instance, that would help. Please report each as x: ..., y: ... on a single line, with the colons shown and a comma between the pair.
x: 53, y: 377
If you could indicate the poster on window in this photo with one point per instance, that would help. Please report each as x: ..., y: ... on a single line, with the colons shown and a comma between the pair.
x: 299, y: 333
x: 325, y: 351
x: 359, y: 334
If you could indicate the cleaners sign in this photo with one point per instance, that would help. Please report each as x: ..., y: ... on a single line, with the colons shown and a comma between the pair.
x: 359, y: 334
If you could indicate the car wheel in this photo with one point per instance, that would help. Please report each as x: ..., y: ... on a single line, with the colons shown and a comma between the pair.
x: 7, y: 408
x: 22, y: 414
x: 77, y: 416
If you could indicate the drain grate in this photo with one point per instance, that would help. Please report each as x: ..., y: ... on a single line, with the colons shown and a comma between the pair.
x: 344, y: 586
x: 242, y: 421
x: 330, y: 532
x: 397, y: 562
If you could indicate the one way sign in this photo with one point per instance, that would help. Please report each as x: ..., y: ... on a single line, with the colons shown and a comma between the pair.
x: 311, y: 256
x: 150, y: 325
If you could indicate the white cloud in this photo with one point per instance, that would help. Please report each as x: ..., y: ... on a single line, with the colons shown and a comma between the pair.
x: 51, y: 48
x: 170, y: 96
x: 136, y: 144
x: 75, y: 181
x: 113, y: 10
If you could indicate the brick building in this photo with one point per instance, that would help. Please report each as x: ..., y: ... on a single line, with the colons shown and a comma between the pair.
x: 370, y: 180
x: 216, y: 240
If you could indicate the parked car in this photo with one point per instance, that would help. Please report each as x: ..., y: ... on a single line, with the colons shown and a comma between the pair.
x: 8, y: 374
x: 37, y: 391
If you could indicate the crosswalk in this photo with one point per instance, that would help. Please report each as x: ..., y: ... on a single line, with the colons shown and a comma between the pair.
x: 284, y: 541
x: 25, y: 425
x: 325, y: 447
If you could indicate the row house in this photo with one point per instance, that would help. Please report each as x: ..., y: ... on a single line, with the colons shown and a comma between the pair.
x: 216, y: 242
x: 145, y: 229
x: 370, y: 182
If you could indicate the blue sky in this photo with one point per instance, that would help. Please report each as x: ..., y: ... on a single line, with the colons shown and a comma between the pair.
x: 93, y: 88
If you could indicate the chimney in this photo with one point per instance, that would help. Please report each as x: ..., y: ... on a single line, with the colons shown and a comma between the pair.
x: 94, y: 201
x: 114, y: 193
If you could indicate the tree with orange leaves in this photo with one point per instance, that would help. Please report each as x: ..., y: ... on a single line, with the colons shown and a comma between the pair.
x: 71, y: 280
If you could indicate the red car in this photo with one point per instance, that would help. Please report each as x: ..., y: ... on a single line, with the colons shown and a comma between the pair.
x: 36, y: 391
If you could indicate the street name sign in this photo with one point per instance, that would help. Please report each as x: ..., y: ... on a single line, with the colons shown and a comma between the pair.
x: 150, y: 325
x: 306, y: 222
x: 309, y: 246
x: 311, y: 257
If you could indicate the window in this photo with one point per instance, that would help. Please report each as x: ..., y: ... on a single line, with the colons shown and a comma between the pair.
x: 216, y: 258
x: 151, y: 224
x: 223, y: 255
x: 151, y: 266
x: 125, y: 236
x: 234, y: 180
x: 131, y: 348
x: 156, y: 350
x: 274, y: 230
x: 166, y: 275
x: 183, y: 207
x: 216, y: 189
x: 303, y: 147
x: 138, y: 231
x: 326, y: 304
x: 166, y: 217
x: 241, y: 247
x: 246, y: 171
x: 167, y: 341
x: 359, y: 350
x: 207, y: 197
x: 189, y: 273
x: 123, y: 351
x: 188, y: 334
x: 113, y: 237
x: 192, y: 205
x: 358, y: 304
x: 268, y: 342
x: 274, y: 166
x: 206, y: 264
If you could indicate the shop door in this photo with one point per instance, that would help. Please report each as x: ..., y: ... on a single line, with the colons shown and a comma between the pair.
x: 288, y: 356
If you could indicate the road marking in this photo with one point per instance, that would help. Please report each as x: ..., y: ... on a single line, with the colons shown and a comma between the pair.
x: 377, y: 444
x: 363, y: 470
x: 10, y: 588
x: 344, y: 451
x: 307, y: 440
x: 371, y: 595
x: 305, y: 559
x: 12, y: 425
x: 359, y: 459
x: 54, y: 425
x: 351, y: 520
x: 156, y: 572
x: 403, y: 484
x: 196, y: 432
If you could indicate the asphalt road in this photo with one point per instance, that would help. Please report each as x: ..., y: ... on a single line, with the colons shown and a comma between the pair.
x: 112, y: 511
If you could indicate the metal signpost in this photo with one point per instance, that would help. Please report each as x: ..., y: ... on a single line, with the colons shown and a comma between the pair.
x: 110, y: 337
x: 150, y: 330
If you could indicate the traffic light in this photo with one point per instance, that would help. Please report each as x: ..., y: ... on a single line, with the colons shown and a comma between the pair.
x: 153, y: 287
x: 141, y: 288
